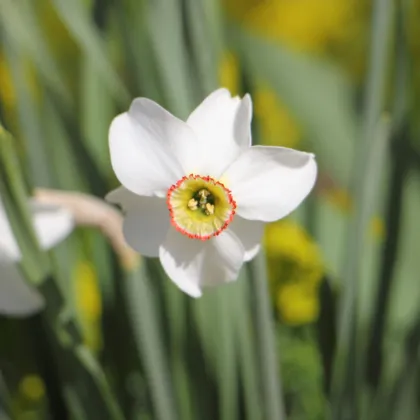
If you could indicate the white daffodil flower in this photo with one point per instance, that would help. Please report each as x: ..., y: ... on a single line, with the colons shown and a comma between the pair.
x: 196, y: 193
x: 52, y: 224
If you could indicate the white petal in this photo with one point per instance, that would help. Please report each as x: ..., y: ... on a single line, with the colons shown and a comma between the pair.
x: 143, y: 145
x: 223, y: 127
x: 146, y: 222
x: 17, y: 298
x: 7, y: 240
x: 52, y: 225
x: 224, y: 260
x: 250, y: 233
x: 268, y: 183
x: 192, y: 264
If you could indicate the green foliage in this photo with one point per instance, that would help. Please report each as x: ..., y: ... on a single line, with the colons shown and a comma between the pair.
x: 67, y: 68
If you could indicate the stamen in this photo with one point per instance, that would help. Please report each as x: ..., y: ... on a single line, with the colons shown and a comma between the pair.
x: 200, y: 207
x: 209, y: 209
x: 203, y: 200
x: 192, y: 204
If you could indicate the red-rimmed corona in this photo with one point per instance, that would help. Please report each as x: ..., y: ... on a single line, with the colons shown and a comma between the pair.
x: 200, y: 207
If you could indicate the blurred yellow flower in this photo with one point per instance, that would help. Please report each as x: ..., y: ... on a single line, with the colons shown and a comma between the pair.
x: 307, y: 25
x: 32, y: 387
x: 287, y: 240
x: 229, y: 73
x: 298, y: 303
x: 324, y: 27
x: 88, y: 303
x: 7, y: 90
x: 295, y: 270
x: 277, y: 125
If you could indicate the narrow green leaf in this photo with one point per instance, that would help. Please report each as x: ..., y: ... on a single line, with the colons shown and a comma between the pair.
x: 170, y: 54
x: 91, y: 365
x: 66, y: 167
x: 266, y: 347
x: 5, y: 400
x: 76, y: 17
x: 398, y: 225
x: 15, y: 200
x: 368, y: 167
x: 347, y: 369
x: 97, y: 111
x: 246, y: 343
x: 205, y: 55
x: 141, y: 66
x: 177, y: 325
x: 146, y: 330
x: 226, y: 357
x: 29, y: 119
x: 21, y: 31
x: 74, y: 403
x: 315, y: 93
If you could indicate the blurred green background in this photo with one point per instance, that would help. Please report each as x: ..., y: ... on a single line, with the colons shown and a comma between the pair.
x: 339, y: 78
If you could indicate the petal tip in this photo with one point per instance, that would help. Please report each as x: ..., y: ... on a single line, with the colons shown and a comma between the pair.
x: 247, y: 97
x: 190, y: 290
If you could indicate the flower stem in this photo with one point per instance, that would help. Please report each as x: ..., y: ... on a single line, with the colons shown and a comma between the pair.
x: 247, y: 354
x: 145, y: 325
x: 368, y: 163
x: 270, y: 375
x: 400, y: 165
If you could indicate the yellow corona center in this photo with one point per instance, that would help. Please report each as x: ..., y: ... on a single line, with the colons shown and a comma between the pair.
x: 200, y: 206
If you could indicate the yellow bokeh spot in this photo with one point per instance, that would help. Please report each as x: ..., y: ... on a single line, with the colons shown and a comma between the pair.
x: 295, y: 269
x: 32, y: 387
x: 377, y: 228
x: 88, y: 295
x: 307, y: 25
x: 277, y: 125
x: 338, y: 29
x: 298, y: 304
x: 88, y: 304
x: 286, y: 239
x: 7, y: 91
x: 229, y: 73
x: 340, y: 198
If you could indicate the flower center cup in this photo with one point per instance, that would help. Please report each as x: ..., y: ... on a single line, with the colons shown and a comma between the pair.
x: 200, y: 207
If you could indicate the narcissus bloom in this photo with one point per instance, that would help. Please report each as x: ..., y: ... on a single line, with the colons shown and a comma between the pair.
x: 52, y: 225
x: 196, y: 193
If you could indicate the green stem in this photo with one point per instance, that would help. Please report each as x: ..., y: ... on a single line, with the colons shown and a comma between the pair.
x: 246, y: 344
x: 369, y: 161
x: 270, y: 374
x: 400, y: 165
x: 145, y: 325
x: 5, y: 400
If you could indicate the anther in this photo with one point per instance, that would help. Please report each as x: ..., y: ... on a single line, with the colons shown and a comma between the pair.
x: 209, y: 209
x: 193, y: 204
